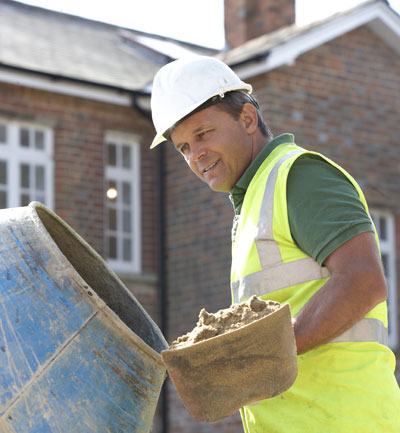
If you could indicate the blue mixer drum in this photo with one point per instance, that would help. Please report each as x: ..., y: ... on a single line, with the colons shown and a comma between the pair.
x: 78, y: 353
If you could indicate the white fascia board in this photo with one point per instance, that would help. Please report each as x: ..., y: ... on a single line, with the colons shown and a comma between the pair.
x: 382, y: 20
x: 387, y: 26
x: 21, y: 78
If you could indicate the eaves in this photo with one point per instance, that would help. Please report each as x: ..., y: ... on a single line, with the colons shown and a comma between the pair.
x: 49, y: 82
x: 377, y: 15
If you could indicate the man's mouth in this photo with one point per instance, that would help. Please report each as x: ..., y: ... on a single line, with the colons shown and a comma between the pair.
x: 210, y: 167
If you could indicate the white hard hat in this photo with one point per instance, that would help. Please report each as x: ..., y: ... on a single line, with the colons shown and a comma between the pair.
x: 183, y: 85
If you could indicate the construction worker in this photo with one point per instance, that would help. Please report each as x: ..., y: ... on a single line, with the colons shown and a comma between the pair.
x: 302, y: 235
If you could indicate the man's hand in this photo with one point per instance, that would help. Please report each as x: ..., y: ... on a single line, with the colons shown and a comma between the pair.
x: 356, y: 285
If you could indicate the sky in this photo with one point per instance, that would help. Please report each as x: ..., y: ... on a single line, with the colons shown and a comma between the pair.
x: 197, y: 21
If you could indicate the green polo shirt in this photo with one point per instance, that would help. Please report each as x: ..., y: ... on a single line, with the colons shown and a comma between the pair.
x: 324, y: 209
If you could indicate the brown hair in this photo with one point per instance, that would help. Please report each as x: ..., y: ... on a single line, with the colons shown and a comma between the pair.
x: 232, y: 103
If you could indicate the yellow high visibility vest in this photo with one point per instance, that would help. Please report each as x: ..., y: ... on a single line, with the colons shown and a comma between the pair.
x: 346, y: 385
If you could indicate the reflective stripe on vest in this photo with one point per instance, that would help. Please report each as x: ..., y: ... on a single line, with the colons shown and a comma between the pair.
x: 279, y: 277
x: 276, y: 274
x: 268, y: 249
x: 365, y: 330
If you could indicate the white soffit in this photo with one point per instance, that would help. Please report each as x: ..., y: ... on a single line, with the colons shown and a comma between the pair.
x: 382, y: 20
x: 65, y: 87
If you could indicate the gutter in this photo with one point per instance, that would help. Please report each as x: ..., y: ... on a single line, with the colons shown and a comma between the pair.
x: 60, y: 84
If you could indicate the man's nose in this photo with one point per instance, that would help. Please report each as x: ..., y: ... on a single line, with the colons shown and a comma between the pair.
x: 198, y: 152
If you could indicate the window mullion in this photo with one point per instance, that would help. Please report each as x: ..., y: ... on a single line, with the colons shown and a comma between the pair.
x: 122, y: 157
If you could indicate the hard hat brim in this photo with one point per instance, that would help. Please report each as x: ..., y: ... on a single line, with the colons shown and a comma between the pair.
x: 159, y: 138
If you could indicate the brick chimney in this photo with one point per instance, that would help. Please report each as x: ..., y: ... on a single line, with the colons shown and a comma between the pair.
x: 247, y: 19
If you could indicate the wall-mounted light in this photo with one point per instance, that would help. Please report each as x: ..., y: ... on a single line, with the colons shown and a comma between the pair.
x: 112, y: 193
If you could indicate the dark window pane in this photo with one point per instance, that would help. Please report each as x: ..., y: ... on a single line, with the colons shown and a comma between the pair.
x: 3, y: 134
x: 24, y: 175
x: 112, y: 219
x: 385, y: 263
x: 127, y: 253
x: 112, y: 247
x: 24, y: 137
x: 39, y: 140
x: 126, y: 193
x: 126, y: 218
x: 25, y: 200
x: 3, y: 199
x: 39, y: 178
x: 126, y: 157
x: 383, y: 228
x: 111, y: 154
x: 3, y: 172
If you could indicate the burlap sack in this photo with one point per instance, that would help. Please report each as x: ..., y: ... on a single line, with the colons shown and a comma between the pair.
x: 216, y: 377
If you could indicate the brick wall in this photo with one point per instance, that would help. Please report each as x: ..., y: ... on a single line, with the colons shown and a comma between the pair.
x: 198, y: 248
x: 248, y: 19
x: 339, y: 99
x: 79, y: 127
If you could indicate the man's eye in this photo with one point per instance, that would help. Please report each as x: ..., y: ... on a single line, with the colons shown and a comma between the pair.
x: 202, y: 133
x: 184, y: 148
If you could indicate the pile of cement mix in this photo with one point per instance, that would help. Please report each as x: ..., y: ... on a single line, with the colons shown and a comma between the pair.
x: 227, y: 320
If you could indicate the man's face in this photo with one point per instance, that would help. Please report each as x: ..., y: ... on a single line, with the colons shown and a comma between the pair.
x: 217, y: 147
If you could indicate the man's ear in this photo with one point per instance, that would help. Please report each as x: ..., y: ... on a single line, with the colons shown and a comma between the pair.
x: 249, y: 118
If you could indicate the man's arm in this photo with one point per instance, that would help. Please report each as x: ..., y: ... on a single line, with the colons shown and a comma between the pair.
x: 356, y: 285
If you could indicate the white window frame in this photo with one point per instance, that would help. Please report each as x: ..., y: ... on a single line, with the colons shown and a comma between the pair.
x: 132, y: 176
x: 15, y: 155
x: 388, y: 247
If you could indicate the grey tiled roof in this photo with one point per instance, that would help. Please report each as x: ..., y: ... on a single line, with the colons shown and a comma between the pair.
x: 48, y: 42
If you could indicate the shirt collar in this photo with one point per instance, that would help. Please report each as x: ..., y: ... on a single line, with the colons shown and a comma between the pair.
x: 239, y: 190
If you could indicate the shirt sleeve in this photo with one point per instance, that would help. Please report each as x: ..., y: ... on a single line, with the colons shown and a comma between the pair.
x: 324, y: 208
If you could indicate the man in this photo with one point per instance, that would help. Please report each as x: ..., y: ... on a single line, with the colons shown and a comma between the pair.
x: 302, y: 235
